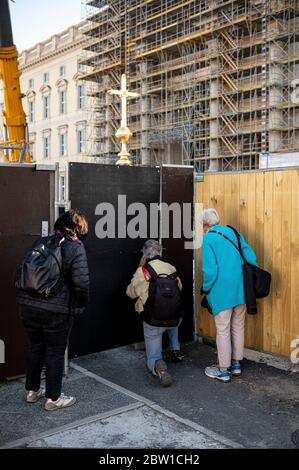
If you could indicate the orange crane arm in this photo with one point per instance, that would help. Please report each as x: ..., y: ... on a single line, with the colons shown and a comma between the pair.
x: 14, y: 115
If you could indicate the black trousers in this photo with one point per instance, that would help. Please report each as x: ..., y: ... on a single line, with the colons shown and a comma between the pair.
x: 48, y: 335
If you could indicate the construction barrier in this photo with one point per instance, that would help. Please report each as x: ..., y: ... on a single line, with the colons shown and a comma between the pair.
x: 264, y: 206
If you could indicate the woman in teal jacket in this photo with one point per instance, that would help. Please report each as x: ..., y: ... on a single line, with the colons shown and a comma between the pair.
x: 223, y: 284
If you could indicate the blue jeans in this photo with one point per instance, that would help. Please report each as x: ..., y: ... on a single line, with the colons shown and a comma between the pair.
x: 153, y: 342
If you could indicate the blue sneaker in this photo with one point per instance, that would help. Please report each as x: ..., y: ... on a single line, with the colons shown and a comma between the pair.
x: 216, y: 373
x: 236, y: 369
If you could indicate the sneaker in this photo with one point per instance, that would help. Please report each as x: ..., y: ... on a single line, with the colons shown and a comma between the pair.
x: 161, y: 371
x: 33, y: 397
x: 216, y: 373
x: 61, y: 402
x: 236, y: 369
x: 175, y: 356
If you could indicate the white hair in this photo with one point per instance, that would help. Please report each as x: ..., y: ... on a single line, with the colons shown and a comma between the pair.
x: 152, y: 248
x: 210, y: 217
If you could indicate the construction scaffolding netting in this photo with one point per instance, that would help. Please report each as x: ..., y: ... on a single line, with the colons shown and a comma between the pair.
x: 216, y: 79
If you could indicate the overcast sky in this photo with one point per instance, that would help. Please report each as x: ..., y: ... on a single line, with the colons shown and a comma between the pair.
x: 36, y: 20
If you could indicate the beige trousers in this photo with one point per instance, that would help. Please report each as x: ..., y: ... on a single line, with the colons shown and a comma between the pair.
x: 230, y: 335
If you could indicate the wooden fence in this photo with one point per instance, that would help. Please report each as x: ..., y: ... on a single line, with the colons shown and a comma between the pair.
x: 264, y: 206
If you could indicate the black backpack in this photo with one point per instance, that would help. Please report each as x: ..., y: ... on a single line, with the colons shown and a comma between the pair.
x: 41, y: 272
x: 163, y: 306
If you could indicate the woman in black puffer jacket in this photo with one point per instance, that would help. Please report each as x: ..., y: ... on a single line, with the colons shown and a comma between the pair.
x: 48, y: 321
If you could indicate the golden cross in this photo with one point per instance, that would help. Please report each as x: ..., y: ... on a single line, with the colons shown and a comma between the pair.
x: 124, y: 94
x: 123, y: 133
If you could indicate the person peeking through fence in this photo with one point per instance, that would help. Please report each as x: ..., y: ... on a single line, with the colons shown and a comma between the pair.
x: 223, y: 286
x: 52, y: 288
x: 157, y: 288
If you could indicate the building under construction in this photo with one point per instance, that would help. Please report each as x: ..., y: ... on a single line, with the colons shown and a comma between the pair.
x: 217, y: 79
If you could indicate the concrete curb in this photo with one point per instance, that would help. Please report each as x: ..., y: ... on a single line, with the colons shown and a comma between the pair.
x: 75, y: 424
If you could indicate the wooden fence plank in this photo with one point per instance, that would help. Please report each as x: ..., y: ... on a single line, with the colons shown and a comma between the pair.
x: 294, y: 261
x: 243, y: 192
x: 277, y: 263
x: 251, y: 236
x: 286, y: 255
x: 258, y: 246
x: 228, y: 211
x: 268, y: 262
x: 265, y: 207
x: 202, y: 319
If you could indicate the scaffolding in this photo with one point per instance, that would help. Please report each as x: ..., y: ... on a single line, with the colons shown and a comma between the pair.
x: 215, y: 79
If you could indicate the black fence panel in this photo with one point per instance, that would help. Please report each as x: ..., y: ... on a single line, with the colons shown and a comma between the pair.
x: 26, y: 200
x: 110, y: 319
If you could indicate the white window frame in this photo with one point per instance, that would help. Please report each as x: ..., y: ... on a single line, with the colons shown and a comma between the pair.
x: 46, y: 107
x: 46, y: 77
x: 62, y: 71
x: 46, y: 146
x: 81, y: 96
x: 81, y: 140
x: 62, y: 102
x: 61, y: 188
x: 32, y: 140
x: 32, y: 150
x: 63, y: 144
x: 31, y: 111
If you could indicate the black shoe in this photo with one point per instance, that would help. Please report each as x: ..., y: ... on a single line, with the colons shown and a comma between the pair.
x: 176, y: 356
x: 163, y: 375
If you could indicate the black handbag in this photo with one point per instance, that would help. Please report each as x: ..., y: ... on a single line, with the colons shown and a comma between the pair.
x: 261, y: 278
x: 204, y: 301
x: 205, y: 304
